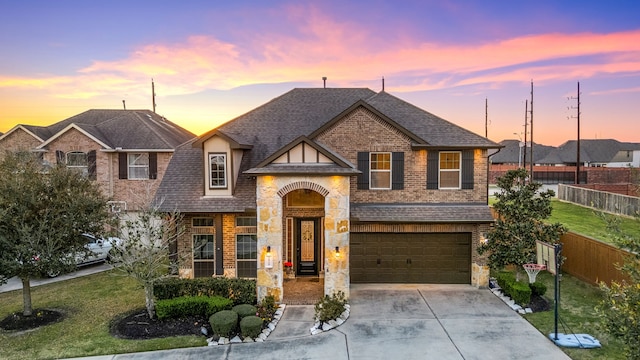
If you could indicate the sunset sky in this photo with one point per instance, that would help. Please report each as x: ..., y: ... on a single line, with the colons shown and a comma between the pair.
x: 214, y: 60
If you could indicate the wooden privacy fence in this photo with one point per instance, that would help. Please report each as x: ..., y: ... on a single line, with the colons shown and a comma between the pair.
x: 591, y: 260
x: 606, y: 201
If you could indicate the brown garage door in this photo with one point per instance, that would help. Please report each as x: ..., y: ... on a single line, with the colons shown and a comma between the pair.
x: 436, y: 258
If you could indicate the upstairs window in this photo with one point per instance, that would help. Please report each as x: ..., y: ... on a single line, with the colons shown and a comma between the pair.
x: 77, y: 161
x: 218, y: 171
x: 380, y: 170
x: 138, y: 166
x: 450, y: 169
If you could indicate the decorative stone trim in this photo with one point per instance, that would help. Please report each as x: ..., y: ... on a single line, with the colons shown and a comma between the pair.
x: 308, y: 185
x: 497, y: 291
x: 331, y: 324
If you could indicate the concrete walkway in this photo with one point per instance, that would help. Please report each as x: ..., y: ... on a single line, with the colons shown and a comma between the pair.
x: 393, y: 322
x: 16, y: 284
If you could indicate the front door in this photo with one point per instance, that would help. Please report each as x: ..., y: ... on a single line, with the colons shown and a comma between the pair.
x: 307, y: 245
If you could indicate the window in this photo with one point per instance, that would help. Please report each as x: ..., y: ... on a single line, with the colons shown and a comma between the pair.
x: 380, y: 170
x: 450, y: 170
x: 77, y: 161
x: 247, y: 255
x: 203, y: 255
x: 218, y: 171
x: 138, y: 166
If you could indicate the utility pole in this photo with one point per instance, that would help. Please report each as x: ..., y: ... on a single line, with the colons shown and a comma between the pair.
x: 486, y: 118
x: 578, y: 137
x: 524, y: 156
x: 153, y: 95
x: 531, y: 140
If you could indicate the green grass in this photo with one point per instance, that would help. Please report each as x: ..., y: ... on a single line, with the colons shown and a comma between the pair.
x: 584, y: 221
x: 577, y: 303
x: 90, y: 304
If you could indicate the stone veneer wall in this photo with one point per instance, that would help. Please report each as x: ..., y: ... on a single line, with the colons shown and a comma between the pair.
x: 271, y: 231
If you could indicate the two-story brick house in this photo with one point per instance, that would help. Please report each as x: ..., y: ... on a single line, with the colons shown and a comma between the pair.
x: 125, y: 151
x: 345, y: 184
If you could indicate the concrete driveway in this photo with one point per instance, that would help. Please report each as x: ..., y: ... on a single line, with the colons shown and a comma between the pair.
x: 16, y: 284
x: 394, y: 322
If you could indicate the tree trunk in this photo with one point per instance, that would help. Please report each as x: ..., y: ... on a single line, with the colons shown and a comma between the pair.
x: 148, y: 298
x: 26, y: 297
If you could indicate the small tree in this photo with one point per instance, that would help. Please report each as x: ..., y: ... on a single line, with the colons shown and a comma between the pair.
x: 144, y: 251
x: 620, y: 309
x: 43, y: 212
x: 521, y: 209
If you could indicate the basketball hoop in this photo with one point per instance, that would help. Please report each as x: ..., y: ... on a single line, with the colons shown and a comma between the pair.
x: 533, y: 270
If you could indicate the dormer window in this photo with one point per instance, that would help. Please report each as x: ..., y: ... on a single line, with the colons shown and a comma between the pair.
x: 218, y: 170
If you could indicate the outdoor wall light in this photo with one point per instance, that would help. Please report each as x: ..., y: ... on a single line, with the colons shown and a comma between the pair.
x: 337, y: 251
x: 268, y: 259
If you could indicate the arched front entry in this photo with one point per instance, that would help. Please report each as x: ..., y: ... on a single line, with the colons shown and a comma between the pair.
x: 306, y: 221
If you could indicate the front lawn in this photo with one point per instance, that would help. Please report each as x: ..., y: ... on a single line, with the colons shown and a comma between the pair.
x: 90, y: 303
x: 577, y: 302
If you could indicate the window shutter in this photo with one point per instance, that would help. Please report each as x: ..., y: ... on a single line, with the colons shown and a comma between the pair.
x: 433, y: 159
x: 467, y: 169
x: 153, y: 165
x: 60, y: 157
x: 397, y: 171
x: 91, y: 164
x: 363, y: 165
x: 122, y: 166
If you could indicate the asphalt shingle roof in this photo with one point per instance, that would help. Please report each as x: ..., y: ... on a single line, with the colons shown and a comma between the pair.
x: 127, y: 129
x: 422, y: 213
x: 270, y: 127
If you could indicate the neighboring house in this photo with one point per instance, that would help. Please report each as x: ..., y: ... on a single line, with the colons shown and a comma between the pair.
x: 125, y: 151
x: 513, y: 153
x: 346, y: 184
x: 595, y: 153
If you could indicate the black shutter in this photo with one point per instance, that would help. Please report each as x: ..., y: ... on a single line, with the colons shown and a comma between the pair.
x: 122, y: 166
x: 363, y: 165
x: 91, y: 164
x: 60, y: 157
x: 433, y: 159
x: 397, y: 171
x: 467, y: 169
x: 153, y: 165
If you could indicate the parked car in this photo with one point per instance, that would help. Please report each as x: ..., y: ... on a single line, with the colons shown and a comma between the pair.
x: 97, y: 250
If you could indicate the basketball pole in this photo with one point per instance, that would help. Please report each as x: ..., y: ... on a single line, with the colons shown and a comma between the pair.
x: 557, y: 251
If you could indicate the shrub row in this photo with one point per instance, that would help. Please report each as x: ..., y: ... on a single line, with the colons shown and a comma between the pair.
x: 240, y: 291
x: 191, y: 306
x: 520, y: 292
x: 330, y: 307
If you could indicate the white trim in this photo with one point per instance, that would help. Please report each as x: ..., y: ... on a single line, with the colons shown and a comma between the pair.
x: 20, y: 126
x: 69, y: 127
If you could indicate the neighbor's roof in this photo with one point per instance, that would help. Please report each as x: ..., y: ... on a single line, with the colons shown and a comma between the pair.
x: 591, y: 151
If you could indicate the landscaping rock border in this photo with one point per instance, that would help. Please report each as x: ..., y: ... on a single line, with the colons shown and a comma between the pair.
x: 497, y: 291
x: 318, y: 328
x: 262, y: 337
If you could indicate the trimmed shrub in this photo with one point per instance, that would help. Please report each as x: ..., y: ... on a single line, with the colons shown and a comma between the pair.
x: 191, y: 306
x: 538, y: 288
x: 505, y: 279
x: 240, y: 291
x: 330, y: 307
x: 267, y: 308
x: 520, y: 293
x: 244, y: 310
x: 251, y: 326
x: 224, y: 322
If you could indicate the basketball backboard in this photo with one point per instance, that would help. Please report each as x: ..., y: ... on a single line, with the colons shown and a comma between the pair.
x: 546, y: 255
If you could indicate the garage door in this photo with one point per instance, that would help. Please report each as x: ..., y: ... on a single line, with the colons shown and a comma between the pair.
x: 436, y: 258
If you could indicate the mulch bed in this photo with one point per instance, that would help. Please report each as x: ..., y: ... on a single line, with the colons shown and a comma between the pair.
x: 138, y: 325
x: 40, y: 317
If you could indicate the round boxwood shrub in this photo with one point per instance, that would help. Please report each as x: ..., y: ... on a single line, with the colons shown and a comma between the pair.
x: 224, y: 322
x: 251, y: 326
x: 538, y: 288
x: 244, y: 310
